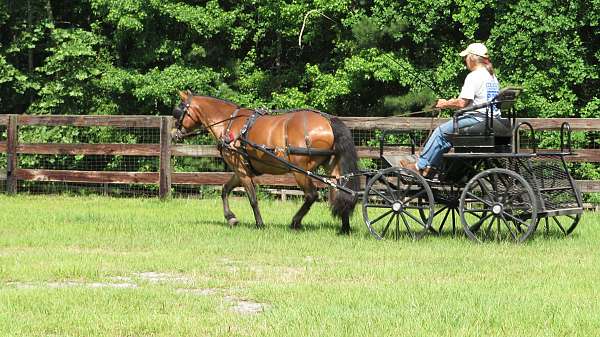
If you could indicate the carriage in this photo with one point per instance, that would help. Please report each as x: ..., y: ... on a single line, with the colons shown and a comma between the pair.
x: 488, y: 184
x: 495, y: 190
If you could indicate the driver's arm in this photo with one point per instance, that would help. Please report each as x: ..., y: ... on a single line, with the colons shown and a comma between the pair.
x: 453, y: 103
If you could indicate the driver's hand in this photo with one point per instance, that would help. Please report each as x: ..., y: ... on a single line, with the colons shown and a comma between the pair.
x: 441, y: 103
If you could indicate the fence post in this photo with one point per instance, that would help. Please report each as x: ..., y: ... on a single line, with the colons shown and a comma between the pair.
x: 164, y: 188
x: 11, y: 154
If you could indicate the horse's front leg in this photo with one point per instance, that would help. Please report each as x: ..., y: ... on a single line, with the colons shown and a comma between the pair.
x: 233, y: 182
x: 251, y: 192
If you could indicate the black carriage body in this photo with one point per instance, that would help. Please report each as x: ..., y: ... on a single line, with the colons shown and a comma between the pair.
x: 486, y: 176
x: 547, y: 173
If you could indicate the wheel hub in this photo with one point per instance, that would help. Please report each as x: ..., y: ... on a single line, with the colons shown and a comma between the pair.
x: 497, y: 209
x: 397, y: 206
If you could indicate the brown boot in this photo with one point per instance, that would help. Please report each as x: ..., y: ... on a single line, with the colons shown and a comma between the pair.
x: 427, y: 172
x: 407, y: 161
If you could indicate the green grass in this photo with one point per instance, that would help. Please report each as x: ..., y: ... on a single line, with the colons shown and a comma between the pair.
x: 57, y: 252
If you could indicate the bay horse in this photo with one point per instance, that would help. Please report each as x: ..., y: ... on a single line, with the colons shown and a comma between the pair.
x: 304, y: 138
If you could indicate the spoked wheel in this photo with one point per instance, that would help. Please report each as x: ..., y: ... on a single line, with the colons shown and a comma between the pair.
x: 566, y: 223
x: 449, y: 212
x: 448, y: 198
x: 393, y: 202
x: 498, y: 204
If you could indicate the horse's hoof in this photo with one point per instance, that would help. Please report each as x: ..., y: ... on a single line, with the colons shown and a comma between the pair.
x: 344, y: 232
x: 296, y: 227
x: 260, y: 225
x: 232, y: 222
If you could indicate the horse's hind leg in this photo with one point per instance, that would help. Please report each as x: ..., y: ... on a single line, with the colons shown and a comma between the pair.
x: 344, y: 215
x: 230, y: 185
x: 251, y: 192
x: 342, y: 203
x: 310, y: 196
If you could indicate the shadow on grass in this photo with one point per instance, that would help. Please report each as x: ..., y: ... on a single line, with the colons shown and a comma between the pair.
x: 360, y: 231
x: 279, y: 225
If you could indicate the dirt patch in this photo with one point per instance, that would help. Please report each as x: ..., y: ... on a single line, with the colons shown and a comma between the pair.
x: 290, y: 274
x: 22, y: 285
x: 111, y: 285
x: 198, y: 292
x: 70, y: 284
x: 155, y: 277
x: 246, y: 307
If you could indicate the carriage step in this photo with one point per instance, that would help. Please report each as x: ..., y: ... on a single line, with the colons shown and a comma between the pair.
x: 553, y: 189
x: 400, y: 159
x: 562, y: 211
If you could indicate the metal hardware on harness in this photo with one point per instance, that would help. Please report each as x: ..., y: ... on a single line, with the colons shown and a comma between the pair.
x: 330, y: 182
x: 343, y: 180
x: 250, y: 122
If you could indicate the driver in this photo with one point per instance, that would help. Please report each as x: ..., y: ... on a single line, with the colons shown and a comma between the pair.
x: 480, y: 86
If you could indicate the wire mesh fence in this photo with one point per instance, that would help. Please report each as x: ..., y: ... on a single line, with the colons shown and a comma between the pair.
x: 200, y: 156
x: 63, y: 150
x: 82, y: 159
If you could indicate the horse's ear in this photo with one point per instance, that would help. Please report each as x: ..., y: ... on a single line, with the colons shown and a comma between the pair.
x: 184, y: 95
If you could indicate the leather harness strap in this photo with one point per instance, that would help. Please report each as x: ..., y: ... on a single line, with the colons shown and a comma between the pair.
x: 242, y: 150
x: 307, y: 140
x: 243, y: 136
x: 227, y: 137
x: 286, y: 143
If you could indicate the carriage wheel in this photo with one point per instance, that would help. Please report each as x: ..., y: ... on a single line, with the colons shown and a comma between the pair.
x: 498, y: 204
x: 448, y: 197
x: 449, y: 212
x: 566, y: 223
x: 392, y: 203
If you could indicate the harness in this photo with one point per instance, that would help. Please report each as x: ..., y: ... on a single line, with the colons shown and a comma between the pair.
x: 225, y: 143
x: 227, y: 140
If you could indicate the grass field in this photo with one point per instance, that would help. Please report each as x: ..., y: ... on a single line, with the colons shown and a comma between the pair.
x: 141, y: 267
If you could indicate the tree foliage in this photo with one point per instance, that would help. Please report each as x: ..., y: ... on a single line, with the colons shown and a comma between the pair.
x: 354, y: 57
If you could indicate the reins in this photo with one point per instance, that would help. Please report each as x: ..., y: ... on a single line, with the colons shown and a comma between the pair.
x: 434, y: 117
x: 197, y: 132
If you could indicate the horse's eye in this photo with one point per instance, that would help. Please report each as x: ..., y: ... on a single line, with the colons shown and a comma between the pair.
x: 177, y: 112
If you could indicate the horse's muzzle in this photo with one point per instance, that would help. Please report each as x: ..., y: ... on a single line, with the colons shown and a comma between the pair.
x: 176, y: 135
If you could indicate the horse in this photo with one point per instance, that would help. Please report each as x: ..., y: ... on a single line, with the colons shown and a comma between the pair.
x: 301, y: 139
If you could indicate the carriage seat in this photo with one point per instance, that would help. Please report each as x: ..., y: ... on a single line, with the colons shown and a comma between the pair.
x: 491, y: 135
x: 481, y: 138
x: 500, y: 128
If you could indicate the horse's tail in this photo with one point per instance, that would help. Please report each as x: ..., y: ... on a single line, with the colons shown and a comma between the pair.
x: 343, y: 203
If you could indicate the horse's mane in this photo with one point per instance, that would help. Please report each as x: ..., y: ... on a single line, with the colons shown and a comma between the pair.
x: 294, y: 110
x: 270, y: 111
x: 219, y: 99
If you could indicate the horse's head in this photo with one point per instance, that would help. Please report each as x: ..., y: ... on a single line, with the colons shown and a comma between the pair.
x: 194, y: 111
x: 184, y: 122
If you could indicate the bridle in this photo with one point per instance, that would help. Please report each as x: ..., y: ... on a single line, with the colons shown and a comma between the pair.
x: 182, y: 110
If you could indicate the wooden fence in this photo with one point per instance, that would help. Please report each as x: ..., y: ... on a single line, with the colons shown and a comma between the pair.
x: 164, y: 150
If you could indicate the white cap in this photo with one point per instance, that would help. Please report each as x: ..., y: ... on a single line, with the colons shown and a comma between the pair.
x: 478, y: 49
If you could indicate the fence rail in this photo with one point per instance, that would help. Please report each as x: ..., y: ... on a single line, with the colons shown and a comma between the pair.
x: 164, y: 150
x: 424, y: 123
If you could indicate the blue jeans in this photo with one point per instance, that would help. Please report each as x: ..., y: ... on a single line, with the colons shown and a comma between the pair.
x: 438, y: 144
